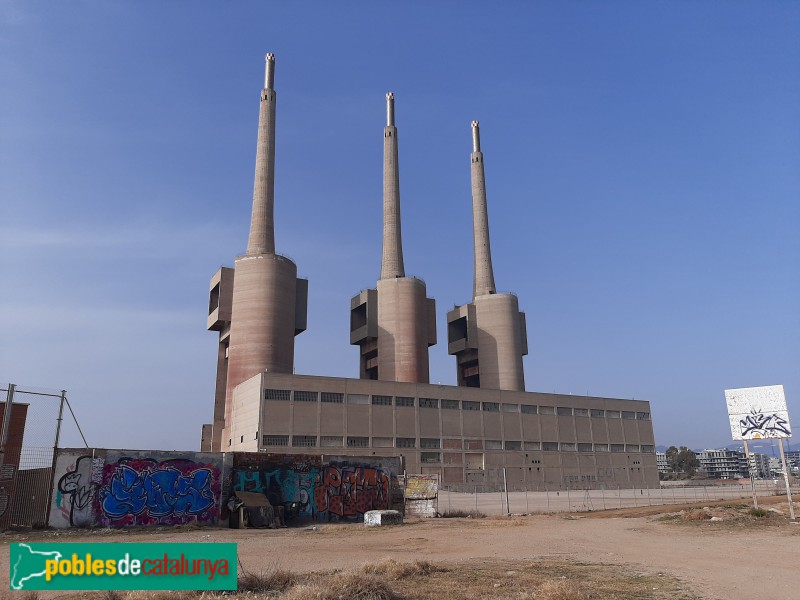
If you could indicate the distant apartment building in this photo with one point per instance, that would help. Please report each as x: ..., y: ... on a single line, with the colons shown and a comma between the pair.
x: 759, y: 465
x: 662, y: 463
x: 723, y: 463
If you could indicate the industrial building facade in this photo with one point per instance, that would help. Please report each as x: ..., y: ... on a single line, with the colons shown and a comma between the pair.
x: 473, y: 435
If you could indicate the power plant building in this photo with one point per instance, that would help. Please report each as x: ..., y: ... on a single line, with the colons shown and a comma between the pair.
x: 471, y: 434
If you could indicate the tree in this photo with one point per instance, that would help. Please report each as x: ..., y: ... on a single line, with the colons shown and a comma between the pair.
x: 682, y: 460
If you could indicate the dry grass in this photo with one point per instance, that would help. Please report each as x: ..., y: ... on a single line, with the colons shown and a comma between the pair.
x: 271, y: 579
x: 389, y: 579
x: 561, y: 590
x: 343, y: 586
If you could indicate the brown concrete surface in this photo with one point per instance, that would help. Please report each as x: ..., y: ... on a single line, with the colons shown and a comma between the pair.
x: 716, y: 563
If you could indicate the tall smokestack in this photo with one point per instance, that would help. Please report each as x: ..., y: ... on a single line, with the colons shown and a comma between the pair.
x: 483, y: 282
x: 392, y: 261
x: 262, y: 224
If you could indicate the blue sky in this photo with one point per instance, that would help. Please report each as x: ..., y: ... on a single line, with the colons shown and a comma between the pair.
x: 642, y: 178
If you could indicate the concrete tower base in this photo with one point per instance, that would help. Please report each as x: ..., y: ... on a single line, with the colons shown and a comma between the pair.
x: 489, y: 339
x: 269, y: 309
x: 403, y: 330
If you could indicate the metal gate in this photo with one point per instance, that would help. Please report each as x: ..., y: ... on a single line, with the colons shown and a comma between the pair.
x: 30, y: 427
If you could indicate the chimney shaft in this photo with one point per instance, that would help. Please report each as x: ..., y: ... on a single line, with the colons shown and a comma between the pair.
x: 392, y: 260
x: 262, y: 225
x: 483, y: 282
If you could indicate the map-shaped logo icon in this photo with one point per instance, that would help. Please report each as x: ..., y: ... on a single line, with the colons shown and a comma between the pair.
x: 27, y: 564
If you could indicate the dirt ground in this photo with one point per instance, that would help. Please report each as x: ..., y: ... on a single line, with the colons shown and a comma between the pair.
x: 715, y: 559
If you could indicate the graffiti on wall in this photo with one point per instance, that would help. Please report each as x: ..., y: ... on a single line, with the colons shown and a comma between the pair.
x: 112, y: 489
x: 351, y: 491
x: 144, y: 491
x: 326, y: 492
x: 79, y: 487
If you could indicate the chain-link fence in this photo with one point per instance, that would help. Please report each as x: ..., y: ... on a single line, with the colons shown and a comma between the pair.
x: 30, y: 426
x: 572, y: 500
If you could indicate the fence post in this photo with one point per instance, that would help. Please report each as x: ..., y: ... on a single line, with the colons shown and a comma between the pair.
x: 6, y: 421
x: 55, y: 455
x: 569, y: 506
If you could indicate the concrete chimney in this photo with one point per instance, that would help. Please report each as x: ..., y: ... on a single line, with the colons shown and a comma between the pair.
x: 394, y: 323
x: 392, y: 261
x: 488, y: 336
x: 260, y: 305
x: 483, y: 275
x: 262, y: 224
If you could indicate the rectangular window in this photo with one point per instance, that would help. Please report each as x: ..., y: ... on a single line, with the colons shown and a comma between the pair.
x: 277, y: 394
x: 304, y: 441
x: 563, y: 411
x: 631, y: 447
x: 618, y: 448
x: 648, y: 448
x: 404, y: 401
x: 584, y: 447
x: 305, y: 396
x: 450, y: 404
x: 547, y: 410
x: 612, y: 414
x: 467, y: 405
x: 429, y: 443
x: 491, y: 407
x: 512, y: 408
x: 382, y: 400
x: 513, y: 445
x: 533, y: 446
x: 626, y: 414
x: 581, y: 412
x: 382, y: 442
x: 331, y: 441
x: 276, y: 440
x: 430, y: 457
x: 568, y: 447
x: 332, y: 397
x: 357, y: 399
x: 405, y: 443
x: 601, y: 447
x: 357, y: 442
x: 643, y: 416
x: 428, y: 403
x: 494, y: 445
x: 551, y: 446
x: 598, y: 413
x: 529, y: 409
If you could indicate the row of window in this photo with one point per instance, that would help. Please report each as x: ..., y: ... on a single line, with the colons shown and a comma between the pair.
x: 335, y: 441
x: 407, y: 401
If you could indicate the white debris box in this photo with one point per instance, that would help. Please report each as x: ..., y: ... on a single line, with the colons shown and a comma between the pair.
x: 379, y: 518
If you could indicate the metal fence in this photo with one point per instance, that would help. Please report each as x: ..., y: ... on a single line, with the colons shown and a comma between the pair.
x: 500, y: 503
x: 29, y: 434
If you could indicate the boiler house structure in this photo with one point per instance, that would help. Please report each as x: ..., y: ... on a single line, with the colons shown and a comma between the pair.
x: 469, y: 434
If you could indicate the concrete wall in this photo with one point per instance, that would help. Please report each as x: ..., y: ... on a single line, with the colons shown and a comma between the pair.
x: 120, y: 488
x: 328, y: 488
